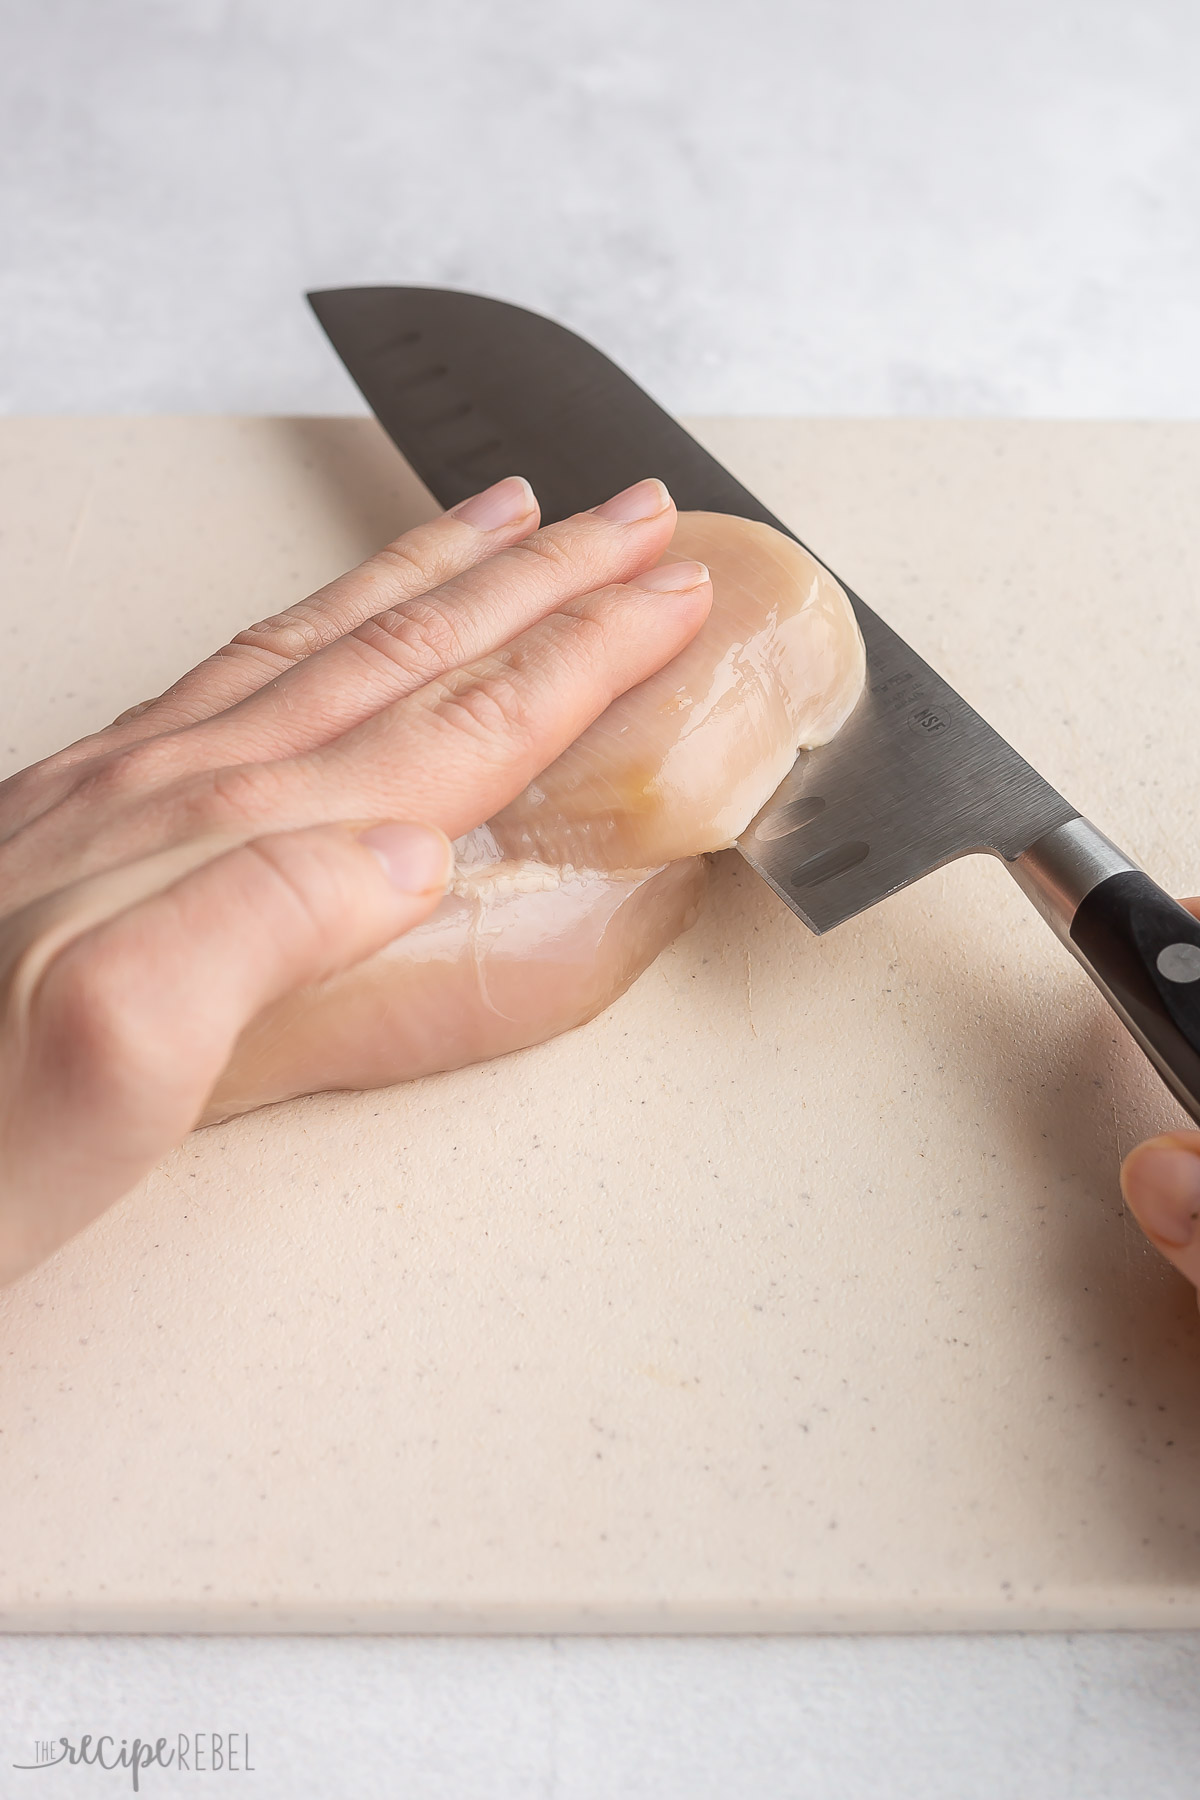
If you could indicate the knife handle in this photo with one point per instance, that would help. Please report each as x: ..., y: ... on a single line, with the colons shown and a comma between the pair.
x: 1140, y: 947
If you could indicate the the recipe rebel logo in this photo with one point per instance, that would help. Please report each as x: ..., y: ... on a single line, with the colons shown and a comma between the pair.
x: 194, y: 1752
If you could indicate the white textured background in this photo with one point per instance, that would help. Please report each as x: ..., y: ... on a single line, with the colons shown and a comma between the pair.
x: 829, y: 206
x: 832, y: 206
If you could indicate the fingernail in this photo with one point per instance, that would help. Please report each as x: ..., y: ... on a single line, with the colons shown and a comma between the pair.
x: 671, y: 577
x: 641, y: 501
x: 418, y: 859
x: 1163, y: 1186
x: 503, y: 504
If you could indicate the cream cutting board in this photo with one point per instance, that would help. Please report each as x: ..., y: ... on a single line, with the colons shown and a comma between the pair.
x: 793, y: 1293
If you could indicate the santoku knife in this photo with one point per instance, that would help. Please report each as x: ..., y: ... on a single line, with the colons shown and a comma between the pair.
x: 472, y: 389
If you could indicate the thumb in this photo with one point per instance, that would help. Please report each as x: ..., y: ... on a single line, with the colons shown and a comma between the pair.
x: 111, y: 1043
x: 1161, y: 1183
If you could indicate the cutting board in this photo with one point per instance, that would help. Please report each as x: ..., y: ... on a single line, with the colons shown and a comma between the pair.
x: 794, y: 1293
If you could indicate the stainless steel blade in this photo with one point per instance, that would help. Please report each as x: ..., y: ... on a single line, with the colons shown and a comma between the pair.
x: 471, y: 389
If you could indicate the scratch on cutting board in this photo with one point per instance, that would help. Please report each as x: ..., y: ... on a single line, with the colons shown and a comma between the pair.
x: 77, y: 529
x: 749, y: 991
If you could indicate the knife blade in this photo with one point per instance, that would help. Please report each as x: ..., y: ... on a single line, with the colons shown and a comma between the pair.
x: 471, y: 389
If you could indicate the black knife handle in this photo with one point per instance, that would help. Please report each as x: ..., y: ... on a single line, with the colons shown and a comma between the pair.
x: 1143, y: 949
x: 1140, y: 947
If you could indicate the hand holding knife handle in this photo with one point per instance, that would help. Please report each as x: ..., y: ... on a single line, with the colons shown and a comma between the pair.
x: 1140, y: 947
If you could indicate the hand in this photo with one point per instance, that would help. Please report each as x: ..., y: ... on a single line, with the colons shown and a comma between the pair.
x: 283, y: 812
x: 1161, y: 1183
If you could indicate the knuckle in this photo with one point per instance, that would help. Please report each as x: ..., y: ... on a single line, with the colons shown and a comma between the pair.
x: 570, y: 647
x: 491, y: 710
x: 243, y: 653
x: 301, y: 887
x: 420, y: 636
x: 230, y: 798
x: 232, y: 792
x: 580, y: 637
x: 93, y: 763
x: 129, y: 773
x: 135, y: 712
x: 26, y: 794
x: 290, y: 636
x: 546, y: 552
x: 398, y: 562
x: 87, y: 1015
x: 85, y: 775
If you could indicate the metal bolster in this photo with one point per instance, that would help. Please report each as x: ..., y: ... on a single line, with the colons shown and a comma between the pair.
x: 1062, y: 867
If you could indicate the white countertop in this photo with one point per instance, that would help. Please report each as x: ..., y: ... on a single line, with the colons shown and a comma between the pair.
x: 1099, y: 1716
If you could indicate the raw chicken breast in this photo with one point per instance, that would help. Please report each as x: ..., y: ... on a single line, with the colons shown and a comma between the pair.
x: 682, y: 763
x: 569, y: 893
x: 515, y: 953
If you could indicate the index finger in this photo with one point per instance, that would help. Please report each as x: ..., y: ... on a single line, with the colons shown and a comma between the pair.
x: 425, y: 557
x: 476, y: 612
x: 420, y: 559
x: 451, y: 753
